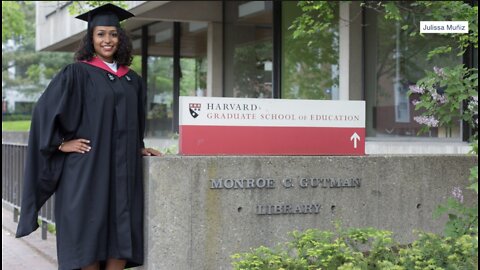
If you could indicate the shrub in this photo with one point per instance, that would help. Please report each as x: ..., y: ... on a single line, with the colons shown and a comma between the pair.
x: 361, y: 249
x: 16, y: 117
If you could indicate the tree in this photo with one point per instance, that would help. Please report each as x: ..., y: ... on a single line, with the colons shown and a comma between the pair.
x: 23, y: 68
x: 13, y: 20
x: 79, y: 7
x: 444, y: 94
x: 313, y: 38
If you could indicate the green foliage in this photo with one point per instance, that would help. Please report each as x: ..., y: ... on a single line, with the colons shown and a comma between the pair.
x: 13, y: 20
x: 442, y: 93
x: 316, y: 19
x: 311, y: 49
x: 250, y: 77
x: 33, y: 69
x: 314, y: 249
x: 361, y: 249
x: 16, y: 117
x: 79, y: 7
x: 462, y: 220
x: 51, y: 228
x: 137, y: 64
x: 432, y: 251
x: 392, y: 12
x: 18, y: 45
x: 432, y: 11
x: 170, y: 150
x: 447, y: 95
x: 194, y: 75
x: 474, y: 179
x: 173, y: 148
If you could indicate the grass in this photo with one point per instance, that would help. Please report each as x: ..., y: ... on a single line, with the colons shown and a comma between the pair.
x: 16, y: 125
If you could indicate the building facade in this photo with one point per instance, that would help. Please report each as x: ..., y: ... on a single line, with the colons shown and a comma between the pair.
x: 250, y: 49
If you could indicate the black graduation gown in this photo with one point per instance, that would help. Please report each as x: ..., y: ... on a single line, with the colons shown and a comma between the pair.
x: 99, y: 194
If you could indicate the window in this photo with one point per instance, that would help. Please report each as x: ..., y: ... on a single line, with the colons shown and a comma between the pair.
x: 248, y: 49
x: 160, y: 80
x: 309, y: 61
x: 193, y: 59
x: 394, y: 60
x: 161, y: 77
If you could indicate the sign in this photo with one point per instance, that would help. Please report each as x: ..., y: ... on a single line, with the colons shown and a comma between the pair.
x: 251, y: 126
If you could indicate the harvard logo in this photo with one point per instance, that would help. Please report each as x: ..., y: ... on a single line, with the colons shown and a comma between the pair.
x: 194, y: 109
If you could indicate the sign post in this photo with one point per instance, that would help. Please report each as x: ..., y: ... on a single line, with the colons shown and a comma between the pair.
x: 250, y: 126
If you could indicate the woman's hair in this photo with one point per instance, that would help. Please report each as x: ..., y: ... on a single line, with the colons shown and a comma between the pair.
x: 123, y: 55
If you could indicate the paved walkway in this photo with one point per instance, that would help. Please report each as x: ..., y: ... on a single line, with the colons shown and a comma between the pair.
x: 29, y: 252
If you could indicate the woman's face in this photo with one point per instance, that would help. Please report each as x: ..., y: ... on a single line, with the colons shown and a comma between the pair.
x: 105, y: 42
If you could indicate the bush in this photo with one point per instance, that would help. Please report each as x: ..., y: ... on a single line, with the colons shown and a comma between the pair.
x: 361, y: 249
x: 16, y: 117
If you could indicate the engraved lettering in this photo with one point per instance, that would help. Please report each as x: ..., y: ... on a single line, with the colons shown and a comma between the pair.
x: 287, y: 183
x: 271, y: 183
x: 238, y: 183
x: 282, y: 209
x: 228, y: 183
x: 216, y: 184
x: 261, y: 183
x: 333, y: 183
x: 303, y: 183
x: 356, y: 182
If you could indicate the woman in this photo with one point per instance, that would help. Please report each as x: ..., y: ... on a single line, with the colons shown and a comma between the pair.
x: 86, y: 146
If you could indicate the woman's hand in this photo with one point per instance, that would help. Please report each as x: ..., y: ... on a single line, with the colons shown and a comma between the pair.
x: 150, y: 152
x: 78, y: 145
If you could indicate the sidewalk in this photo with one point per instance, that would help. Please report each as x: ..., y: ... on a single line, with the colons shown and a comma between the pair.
x: 29, y: 252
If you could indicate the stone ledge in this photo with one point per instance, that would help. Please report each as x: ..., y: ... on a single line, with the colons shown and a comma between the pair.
x: 190, y: 225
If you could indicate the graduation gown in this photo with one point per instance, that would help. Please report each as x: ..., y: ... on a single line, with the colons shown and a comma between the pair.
x: 99, y: 194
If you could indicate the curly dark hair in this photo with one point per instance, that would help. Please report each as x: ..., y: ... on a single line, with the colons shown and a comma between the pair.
x: 123, y: 56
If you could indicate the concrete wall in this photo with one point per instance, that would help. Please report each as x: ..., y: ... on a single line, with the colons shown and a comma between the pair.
x: 190, y: 225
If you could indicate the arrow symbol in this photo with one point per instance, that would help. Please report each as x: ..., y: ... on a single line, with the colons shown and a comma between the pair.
x: 355, y: 138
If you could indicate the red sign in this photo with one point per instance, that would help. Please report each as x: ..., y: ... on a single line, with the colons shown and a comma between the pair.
x: 240, y: 126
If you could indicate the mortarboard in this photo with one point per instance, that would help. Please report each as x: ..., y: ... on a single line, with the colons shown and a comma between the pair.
x: 106, y: 15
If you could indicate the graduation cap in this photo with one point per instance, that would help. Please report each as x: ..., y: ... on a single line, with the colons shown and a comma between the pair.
x: 106, y: 15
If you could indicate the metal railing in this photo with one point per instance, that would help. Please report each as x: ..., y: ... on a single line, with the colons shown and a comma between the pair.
x: 13, y: 167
